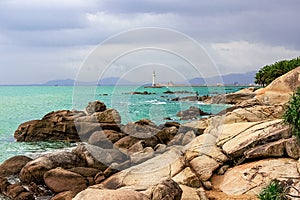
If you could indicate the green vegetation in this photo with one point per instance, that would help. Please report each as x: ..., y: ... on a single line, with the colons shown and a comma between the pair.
x: 274, y: 191
x: 270, y: 72
x: 292, y: 113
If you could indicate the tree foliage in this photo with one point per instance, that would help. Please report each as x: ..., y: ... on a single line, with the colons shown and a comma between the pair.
x: 270, y: 72
x: 292, y: 113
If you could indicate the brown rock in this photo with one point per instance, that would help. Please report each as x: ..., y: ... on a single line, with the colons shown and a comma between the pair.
x: 166, y: 190
x: 95, y: 106
x: 177, y: 140
x: 3, y: 184
x: 167, y: 134
x: 101, y: 194
x: 99, y: 177
x: 34, y: 170
x: 14, y: 190
x: 188, y: 178
x: 60, y: 180
x: 292, y: 147
x: 137, y: 147
x: 56, y: 126
x: 273, y: 149
x: 13, y: 165
x: 191, y: 113
x: 96, y: 157
x: 108, y: 116
x: 126, y: 142
x: 67, y: 195
x: 84, y: 171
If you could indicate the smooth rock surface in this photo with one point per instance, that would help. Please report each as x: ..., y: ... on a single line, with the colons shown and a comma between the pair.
x: 98, y: 194
x: 250, y: 178
x: 13, y: 165
x: 60, y: 180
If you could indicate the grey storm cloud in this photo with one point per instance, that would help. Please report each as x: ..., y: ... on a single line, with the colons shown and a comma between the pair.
x: 61, y: 33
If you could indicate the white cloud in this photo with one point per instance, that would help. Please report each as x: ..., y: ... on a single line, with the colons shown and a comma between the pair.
x: 243, y: 56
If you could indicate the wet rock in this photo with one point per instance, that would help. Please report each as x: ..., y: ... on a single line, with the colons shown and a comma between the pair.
x: 13, y: 165
x: 60, y: 180
x: 56, y: 126
x: 191, y: 113
x: 34, y: 170
x: 166, y: 190
x: 141, y: 129
x: 100, y: 194
x: 95, y: 106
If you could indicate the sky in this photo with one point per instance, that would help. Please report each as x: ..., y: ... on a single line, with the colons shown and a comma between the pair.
x: 46, y: 40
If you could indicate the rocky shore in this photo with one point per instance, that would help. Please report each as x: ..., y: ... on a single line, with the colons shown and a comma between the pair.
x: 232, y: 155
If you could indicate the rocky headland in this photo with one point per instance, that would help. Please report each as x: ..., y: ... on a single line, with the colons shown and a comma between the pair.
x: 232, y: 155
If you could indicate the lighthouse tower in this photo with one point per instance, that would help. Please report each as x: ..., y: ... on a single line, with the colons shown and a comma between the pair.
x: 153, y: 79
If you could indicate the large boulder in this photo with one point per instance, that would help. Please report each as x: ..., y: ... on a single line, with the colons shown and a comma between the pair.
x: 250, y: 178
x: 56, y: 126
x: 236, y: 143
x: 148, y: 173
x: 34, y: 170
x: 60, y: 180
x: 100, y: 194
x: 13, y: 165
x: 253, y: 114
x: 280, y: 90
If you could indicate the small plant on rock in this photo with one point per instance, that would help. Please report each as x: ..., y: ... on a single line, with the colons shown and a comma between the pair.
x: 274, y: 191
x: 292, y: 113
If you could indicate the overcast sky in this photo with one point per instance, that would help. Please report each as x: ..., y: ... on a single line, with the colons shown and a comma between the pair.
x: 46, y: 40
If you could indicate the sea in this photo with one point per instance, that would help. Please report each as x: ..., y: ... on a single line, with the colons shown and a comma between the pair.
x: 19, y: 104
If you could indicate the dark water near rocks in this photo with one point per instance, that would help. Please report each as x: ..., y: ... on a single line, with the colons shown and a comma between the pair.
x: 23, y: 103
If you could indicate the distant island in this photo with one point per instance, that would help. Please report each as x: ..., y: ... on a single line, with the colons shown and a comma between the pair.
x: 228, y: 79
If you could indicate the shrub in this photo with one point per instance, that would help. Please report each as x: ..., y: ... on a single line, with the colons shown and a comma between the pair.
x: 292, y: 113
x: 274, y: 191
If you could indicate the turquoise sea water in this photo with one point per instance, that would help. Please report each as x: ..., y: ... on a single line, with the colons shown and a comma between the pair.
x: 23, y: 103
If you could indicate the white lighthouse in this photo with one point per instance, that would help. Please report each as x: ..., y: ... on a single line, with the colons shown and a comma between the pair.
x: 153, y: 79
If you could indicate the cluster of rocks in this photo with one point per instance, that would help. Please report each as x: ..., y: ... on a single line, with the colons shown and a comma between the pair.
x: 232, y: 155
